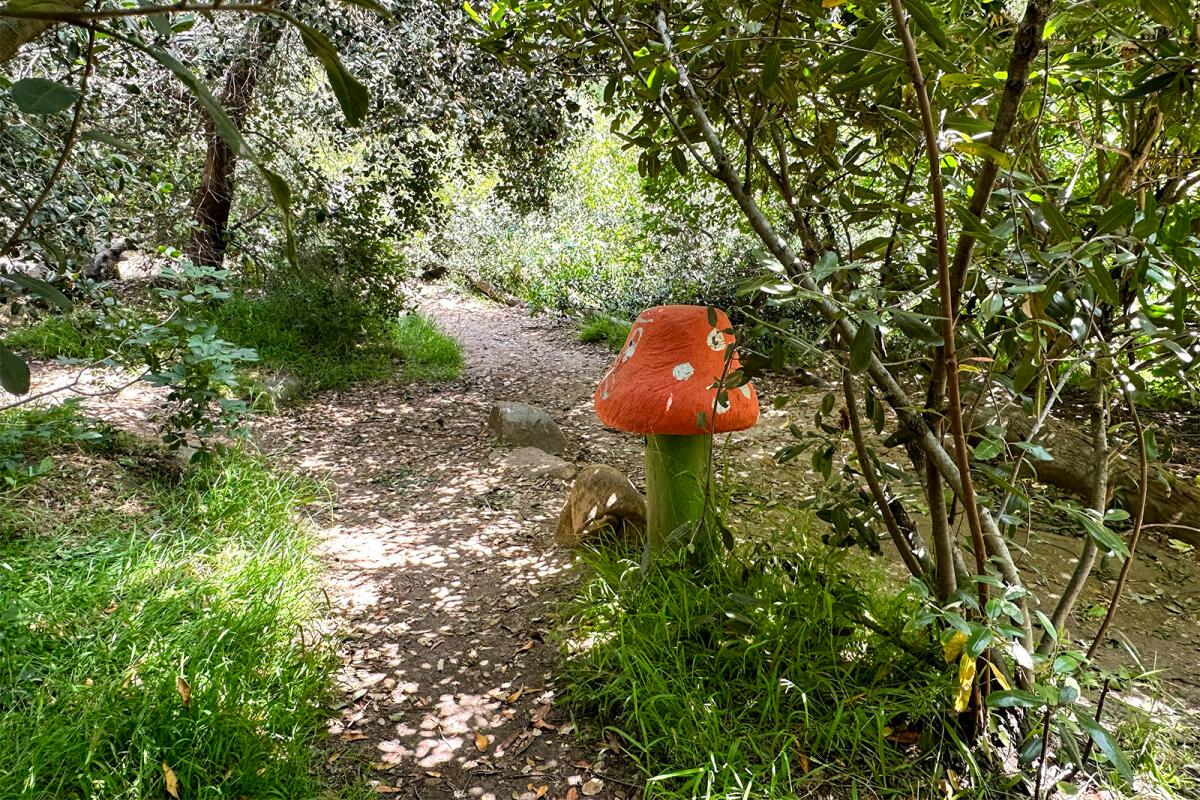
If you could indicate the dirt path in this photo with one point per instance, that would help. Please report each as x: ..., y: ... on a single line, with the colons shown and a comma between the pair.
x: 440, y: 565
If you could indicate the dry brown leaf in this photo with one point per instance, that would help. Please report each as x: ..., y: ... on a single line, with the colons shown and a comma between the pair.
x: 184, y: 689
x: 170, y: 782
x: 111, y: 608
x: 352, y: 736
x: 481, y: 742
x: 593, y: 787
x: 433, y: 773
x: 334, y: 757
x: 529, y: 645
x: 541, y: 790
x: 515, y: 696
x: 383, y: 788
x: 804, y: 762
x: 572, y: 793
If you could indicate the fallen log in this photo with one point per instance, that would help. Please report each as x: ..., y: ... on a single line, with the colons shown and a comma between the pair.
x: 1171, y: 500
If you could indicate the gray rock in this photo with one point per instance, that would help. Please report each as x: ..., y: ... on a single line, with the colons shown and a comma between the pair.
x: 536, y: 463
x: 523, y: 425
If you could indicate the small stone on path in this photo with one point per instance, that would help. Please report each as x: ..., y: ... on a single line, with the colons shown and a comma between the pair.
x: 523, y: 425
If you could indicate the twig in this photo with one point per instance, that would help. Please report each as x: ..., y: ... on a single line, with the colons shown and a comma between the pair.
x: 868, y: 468
x: 1041, y: 772
x: 1139, y: 516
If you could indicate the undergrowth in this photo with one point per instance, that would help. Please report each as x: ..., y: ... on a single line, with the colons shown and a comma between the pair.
x: 155, y: 622
x: 331, y: 342
x: 757, y: 678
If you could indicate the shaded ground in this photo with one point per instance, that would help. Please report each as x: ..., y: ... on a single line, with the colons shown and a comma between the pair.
x: 443, y: 579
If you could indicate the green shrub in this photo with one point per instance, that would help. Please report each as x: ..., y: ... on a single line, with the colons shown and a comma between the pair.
x: 600, y: 328
x: 166, y: 620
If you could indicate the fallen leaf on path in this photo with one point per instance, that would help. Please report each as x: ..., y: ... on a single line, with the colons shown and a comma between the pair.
x: 170, y: 782
x: 381, y: 788
x: 541, y: 790
x: 481, y: 742
x: 515, y: 696
x: 593, y: 787
x: 352, y: 736
x: 572, y: 793
x: 184, y: 689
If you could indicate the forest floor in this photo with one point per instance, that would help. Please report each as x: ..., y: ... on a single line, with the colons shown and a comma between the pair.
x: 443, y: 578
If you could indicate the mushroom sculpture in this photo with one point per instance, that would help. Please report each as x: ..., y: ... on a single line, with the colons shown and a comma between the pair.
x: 664, y: 384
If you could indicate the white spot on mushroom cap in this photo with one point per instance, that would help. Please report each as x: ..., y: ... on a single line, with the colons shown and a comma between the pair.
x: 683, y: 371
x: 746, y: 390
x: 670, y: 400
x: 716, y: 339
x: 635, y: 336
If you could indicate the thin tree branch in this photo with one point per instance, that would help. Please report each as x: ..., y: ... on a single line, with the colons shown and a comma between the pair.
x: 947, y: 293
x: 1139, y: 516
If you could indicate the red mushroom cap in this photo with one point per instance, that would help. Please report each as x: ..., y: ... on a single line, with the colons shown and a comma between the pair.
x: 664, y: 379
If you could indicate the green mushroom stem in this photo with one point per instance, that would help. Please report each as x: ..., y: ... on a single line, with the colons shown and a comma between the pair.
x: 677, y: 472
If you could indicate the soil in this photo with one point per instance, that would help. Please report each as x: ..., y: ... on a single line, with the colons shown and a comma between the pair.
x: 443, y: 579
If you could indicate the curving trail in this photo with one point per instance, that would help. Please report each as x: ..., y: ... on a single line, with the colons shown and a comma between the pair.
x: 441, y: 570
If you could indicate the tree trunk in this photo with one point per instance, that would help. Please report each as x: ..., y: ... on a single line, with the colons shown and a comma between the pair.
x: 14, y: 32
x: 213, y: 201
x: 1170, y: 501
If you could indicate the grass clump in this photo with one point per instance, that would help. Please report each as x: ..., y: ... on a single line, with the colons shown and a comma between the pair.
x: 154, y: 615
x: 331, y: 342
x: 82, y: 335
x: 767, y: 677
x: 429, y: 354
x: 600, y: 328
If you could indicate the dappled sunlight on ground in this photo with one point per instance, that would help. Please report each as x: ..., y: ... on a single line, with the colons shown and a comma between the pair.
x: 440, y: 565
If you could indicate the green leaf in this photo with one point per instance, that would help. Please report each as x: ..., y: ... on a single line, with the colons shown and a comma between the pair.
x: 987, y: 449
x: 1101, y: 535
x: 1105, y: 743
x: 1155, y: 84
x: 862, y: 347
x: 46, y: 291
x: 97, y: 135
x: 227, y: 130
x: 352, y: 96
x: 282, y: 194
x: 770, y: 67
x: 926, y: 21
x: 14, y: 372
x: 1120, y: 215
x: 916, y: 328
x: 1015, y: 698
x: 1060, y: 226
x: 42, y: 96
x: 381, y: 9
